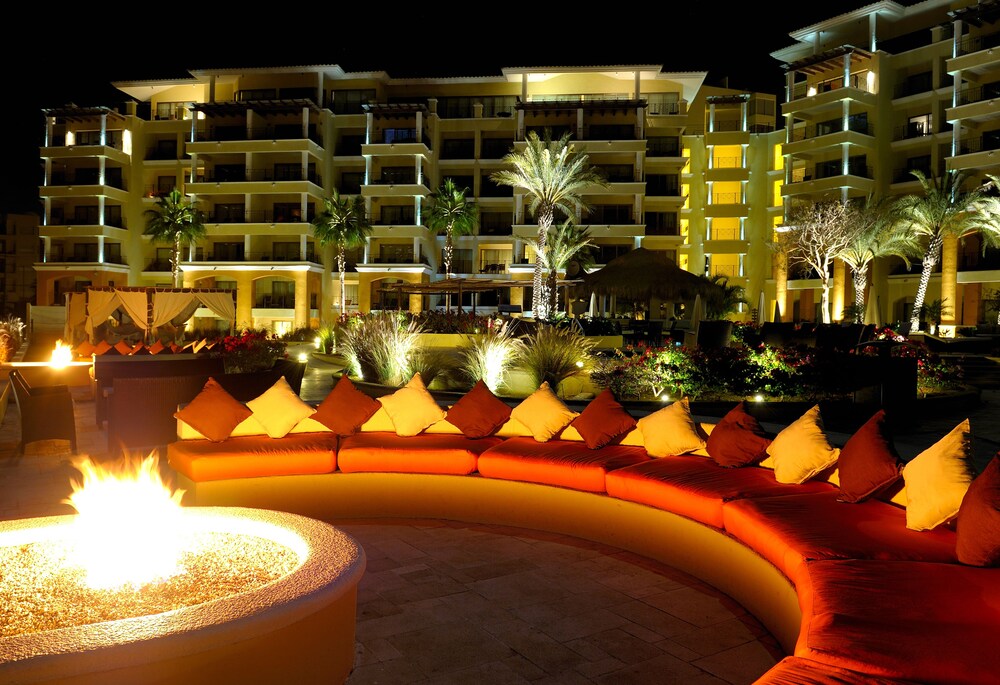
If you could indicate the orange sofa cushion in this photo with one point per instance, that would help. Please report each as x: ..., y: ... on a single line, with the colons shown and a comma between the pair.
x: 253, y: 456
x: 425, y: 453
x: 920, y: 621
x: 794, y: 670
x: 566, y: 463
x: 790, y: 530
x: 697, y: 487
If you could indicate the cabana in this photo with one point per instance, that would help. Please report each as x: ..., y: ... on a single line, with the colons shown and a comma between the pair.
x: 149, y: 308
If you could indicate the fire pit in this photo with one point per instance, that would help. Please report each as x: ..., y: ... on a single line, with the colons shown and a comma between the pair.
x: 292, y: 621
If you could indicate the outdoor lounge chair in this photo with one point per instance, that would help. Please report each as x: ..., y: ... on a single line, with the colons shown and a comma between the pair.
x: 46, y: 412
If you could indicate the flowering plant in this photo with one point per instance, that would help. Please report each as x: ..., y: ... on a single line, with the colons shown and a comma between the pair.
x: 251, y: 350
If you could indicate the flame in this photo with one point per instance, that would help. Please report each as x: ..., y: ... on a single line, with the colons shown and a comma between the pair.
x: 130, y: 529
x: 62, y: 355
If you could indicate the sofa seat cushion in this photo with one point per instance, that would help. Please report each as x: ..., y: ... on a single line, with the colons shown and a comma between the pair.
x: 790, y: 530
x: 253, y: 456
x: 921, y: 621
x: 565, y: 463
x: 697, y: 487
x: 440, y: 453
x: 795, y: 670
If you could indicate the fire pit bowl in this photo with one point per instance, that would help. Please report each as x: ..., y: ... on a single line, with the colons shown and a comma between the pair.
x: 299, y: 628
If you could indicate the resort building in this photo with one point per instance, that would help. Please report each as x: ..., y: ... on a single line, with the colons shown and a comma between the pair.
x: 692, y: 171
x: 876, y: 93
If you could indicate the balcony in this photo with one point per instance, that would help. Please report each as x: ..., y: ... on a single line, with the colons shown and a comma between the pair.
x: 273, y: 174
x: 267, y: 132
x: 86, y: 177
x: 259, y: 216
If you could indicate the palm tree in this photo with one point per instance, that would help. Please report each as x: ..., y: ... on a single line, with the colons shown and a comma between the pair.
x: 343, y: 223
x: 945, y: 213
x: 567, y: 243
x: 725, y: 298
x: 878, y: 237
x: 451, y: 213
x: 554, y: 177
x: 176, y: 221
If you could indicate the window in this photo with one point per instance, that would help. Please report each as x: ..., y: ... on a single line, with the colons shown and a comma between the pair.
x: 401, y: 216
x: 228, y: 252
x: 455, y: 107
x: 663, y: 146
x: 351, y: 181
x: 257, y: 94
x: 173, y: 110
x: 663, y: 103
x: 351, y: 101
x: 499, y: 105
x: 286, y: 252
x: 229, y: 213
x: 455, y: 148
x: 495, y: 148
x: 287, y: 211
x: 918, y: 126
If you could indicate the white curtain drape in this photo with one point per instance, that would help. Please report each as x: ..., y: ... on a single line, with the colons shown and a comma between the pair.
x: 221, y: 304
x: 167, y: 306
x: 100, y: 304
x: 136, y: 306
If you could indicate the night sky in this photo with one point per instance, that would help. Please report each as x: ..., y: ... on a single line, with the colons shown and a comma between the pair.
x: 76, y: 61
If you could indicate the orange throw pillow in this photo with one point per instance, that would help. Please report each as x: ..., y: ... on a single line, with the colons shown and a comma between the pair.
x: 104, y: 347
x: 345, y: 409
x: 214, y: 412
x: 868, y: 461
x: 738, y: 439
x: 479, y: 413
x: 603, y: 420
x: 84, y: 349
x: 123, y: 347
x: 978, y: 524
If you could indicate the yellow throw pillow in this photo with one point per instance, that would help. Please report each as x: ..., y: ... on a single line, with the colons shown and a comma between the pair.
x: 938, y: 478
x: 671, y: 430
x: 412, y: 408
x: 801, y: 450
x: 279, y: 409
x: 543, y: 413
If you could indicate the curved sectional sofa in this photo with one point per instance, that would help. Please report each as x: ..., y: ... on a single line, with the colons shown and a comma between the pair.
x: 851, y: 590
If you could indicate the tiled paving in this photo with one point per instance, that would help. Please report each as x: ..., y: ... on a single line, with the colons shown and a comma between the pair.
x: 445, y: 602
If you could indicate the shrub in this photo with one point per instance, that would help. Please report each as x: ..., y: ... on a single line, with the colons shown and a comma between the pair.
x: 435, y: 365
x: 327, y: 339
x: 553, y: 354
x: 488, y: 358
x: 379, y: 347
x: 251, y: 350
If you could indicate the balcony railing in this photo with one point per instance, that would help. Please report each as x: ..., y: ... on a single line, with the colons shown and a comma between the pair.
x: 396, y: 135
x: 971, y: 44
x: 267, y: 256
x: 727, y: 162
x: 969, y: 146
x: 919, y: 83
x: 84, y: 178
x: 270, y: 132
x: 728, y: 270
x: 663, y: 147
x: 988, y: 91
x: 727, y: 198
x: 272, y: 174
x: 259, y: 216
x: 115, y: 222
x: 87, y: 259
x: 728, y: 233
x: 662, y: 229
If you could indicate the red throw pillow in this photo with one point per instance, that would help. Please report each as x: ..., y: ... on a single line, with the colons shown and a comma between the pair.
x: 868, y: 461
x: 977, y: 526
x: 104, y: 347
x: 84, y: 349
x: 603, y: 421
x: 345, y: 409
x: 479, y: 413
x: 213, y: 412
x: 738, y: 439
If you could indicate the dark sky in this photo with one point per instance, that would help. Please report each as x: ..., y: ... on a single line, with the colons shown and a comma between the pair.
x: 75, y: 61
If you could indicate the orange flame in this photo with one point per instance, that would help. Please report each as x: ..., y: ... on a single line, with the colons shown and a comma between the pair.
x: 62, y: 355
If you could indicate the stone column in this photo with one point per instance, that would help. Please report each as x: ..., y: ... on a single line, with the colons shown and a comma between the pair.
x: 301, y: 319
x: 949, y: 287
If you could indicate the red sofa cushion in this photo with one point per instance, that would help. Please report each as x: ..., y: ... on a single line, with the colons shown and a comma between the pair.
x: 738, y: 439
x: 603, y: 421
x: 479, y: 413
x: 978, y: 523
x: 794, y: 670
x: 566, y: 463
x: 920, y: 621
x: 424, y: 453
x: 788, y: 531
x: 345, y: 408
x: 868, y: 461
x: 697, y: 487
x: 253, y: 456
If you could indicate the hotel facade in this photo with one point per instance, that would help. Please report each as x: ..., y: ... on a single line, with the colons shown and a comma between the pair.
x: 704, y: 174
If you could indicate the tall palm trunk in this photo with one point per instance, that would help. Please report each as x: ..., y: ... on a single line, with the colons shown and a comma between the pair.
x: 860, y: 283
x: 539, y: 293
x: 341, y: 268
x: 449, y: 251
x: 176, y: 266
x: 930, y: 261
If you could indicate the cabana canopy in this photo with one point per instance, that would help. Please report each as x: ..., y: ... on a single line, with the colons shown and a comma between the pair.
x: 148, y: 308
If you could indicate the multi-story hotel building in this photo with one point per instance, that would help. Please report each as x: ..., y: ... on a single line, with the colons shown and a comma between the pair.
x: 693, y: 171
x: 878, y: 92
